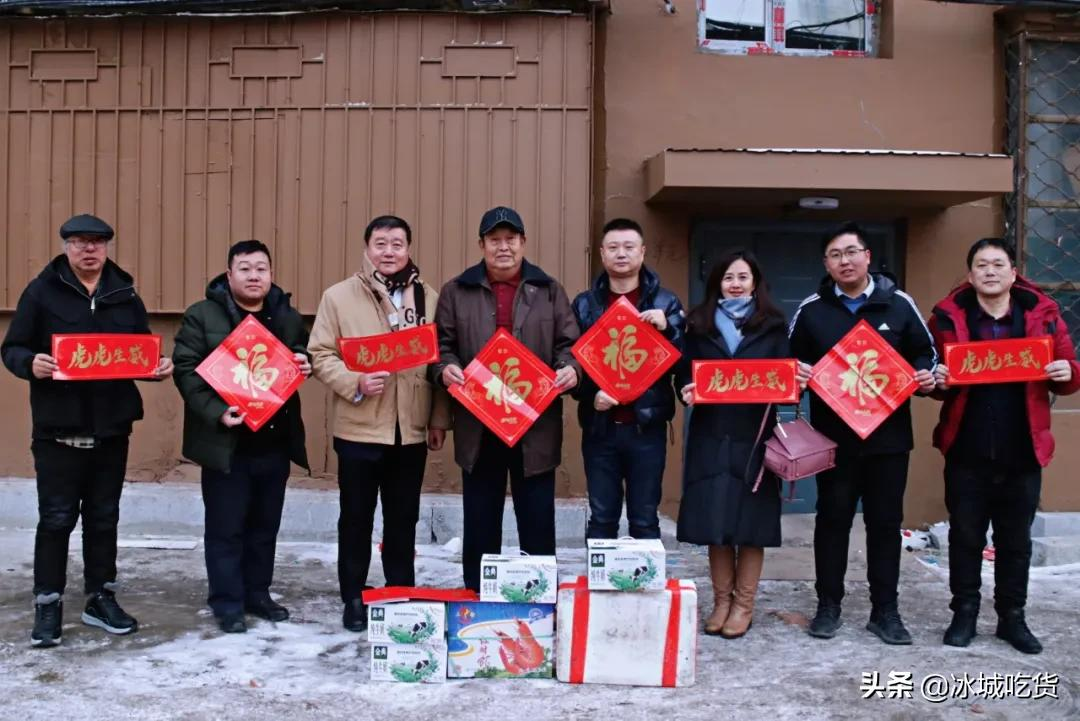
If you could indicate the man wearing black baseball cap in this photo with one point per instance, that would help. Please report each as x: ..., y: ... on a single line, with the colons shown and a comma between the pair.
x: 80, y: 428
x: 506, y: 291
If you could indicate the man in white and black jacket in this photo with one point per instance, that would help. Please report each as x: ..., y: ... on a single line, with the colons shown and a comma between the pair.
x: 875, y: 469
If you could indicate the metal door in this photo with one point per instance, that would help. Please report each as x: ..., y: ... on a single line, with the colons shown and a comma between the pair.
x: 790, y: 256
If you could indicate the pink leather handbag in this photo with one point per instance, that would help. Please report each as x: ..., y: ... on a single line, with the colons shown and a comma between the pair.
x: 795, y: 450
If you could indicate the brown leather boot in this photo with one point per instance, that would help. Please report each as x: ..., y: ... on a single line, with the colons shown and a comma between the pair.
x: 722, y: 570
x: 747, y: 574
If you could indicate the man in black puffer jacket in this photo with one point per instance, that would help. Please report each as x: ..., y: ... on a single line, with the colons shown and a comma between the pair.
x: 875, y: 469
x: 80, y: 428
x: 626, y: 443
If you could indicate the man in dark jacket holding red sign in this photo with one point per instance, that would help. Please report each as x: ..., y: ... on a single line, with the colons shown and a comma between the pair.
x: 626, y: 442
x: 505, y: 291
x: 874, y: 469
x: 80, y: 428
x: 243, y: 471
x: 996, y: 438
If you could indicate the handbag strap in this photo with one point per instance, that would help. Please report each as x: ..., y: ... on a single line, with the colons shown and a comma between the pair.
x: 753, y: 449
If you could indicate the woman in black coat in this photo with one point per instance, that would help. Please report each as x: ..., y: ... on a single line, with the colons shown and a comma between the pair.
x: 719, y: 508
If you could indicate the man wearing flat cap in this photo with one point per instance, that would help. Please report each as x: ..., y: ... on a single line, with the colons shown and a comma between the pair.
x: 80, y: 428
x: 506, y: 291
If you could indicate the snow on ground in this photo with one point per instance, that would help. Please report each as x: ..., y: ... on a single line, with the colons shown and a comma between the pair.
x: 179, y: 666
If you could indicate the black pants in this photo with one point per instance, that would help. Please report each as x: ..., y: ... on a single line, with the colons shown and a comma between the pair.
x: 623, y: 453
x: 977, y: 493
x: 366, y: 471
x: 243, y: 514
x: 879, y: 481
x: 73, y: 482
x: 483, y: 498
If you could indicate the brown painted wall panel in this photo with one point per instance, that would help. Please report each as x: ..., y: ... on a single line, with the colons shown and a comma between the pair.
x: 939, y: 90
x: 183, y: 157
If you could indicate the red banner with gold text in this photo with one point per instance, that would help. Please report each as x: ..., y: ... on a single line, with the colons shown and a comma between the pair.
x: 1011, y: 360
x: 745, y: 381
x: 391, y: 352
x: 105, y: 356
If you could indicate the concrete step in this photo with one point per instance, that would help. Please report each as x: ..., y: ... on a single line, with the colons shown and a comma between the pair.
x: 1055, y: 550
x: 1056, y: 524
x: 176, y: 509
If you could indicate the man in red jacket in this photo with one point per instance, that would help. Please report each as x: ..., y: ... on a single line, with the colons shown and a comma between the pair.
x: 996, y: 438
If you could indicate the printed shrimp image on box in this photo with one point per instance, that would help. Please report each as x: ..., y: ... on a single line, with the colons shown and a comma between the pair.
x: 500, y: 640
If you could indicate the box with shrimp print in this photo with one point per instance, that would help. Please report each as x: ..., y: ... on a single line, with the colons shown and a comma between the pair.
x: 500, y: 640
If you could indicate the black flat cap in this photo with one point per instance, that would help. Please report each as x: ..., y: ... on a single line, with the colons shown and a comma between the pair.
x: 501, y: 215
x: 86, y: 225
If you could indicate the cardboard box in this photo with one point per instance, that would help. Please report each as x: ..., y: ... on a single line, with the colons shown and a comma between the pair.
x: 500, y: 640
x: 518, y: 579
x: 636, y: 639
x: 408, y: 663
x: 626, y: 564
x: 407, y: 622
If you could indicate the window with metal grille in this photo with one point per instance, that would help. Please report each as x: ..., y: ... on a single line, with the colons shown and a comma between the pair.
x: 789, y: 27
x: 1043, y: 134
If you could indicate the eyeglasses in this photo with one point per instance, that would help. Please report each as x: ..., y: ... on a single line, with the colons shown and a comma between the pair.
x: 851, y: 254
x: 85, y: 243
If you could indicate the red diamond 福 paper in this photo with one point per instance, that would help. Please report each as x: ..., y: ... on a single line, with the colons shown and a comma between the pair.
x: 863, y: 379
x: 507, y: 387
x: 252, y: 369
x: 623, y: 354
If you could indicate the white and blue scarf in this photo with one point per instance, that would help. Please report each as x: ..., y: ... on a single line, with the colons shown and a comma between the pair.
x: 731, y: 314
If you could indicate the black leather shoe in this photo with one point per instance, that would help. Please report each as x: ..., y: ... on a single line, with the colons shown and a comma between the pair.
x: 962, y: 629
x: 232, y: 623
x: 266, y: 608
x: 826, y: 621
x: 885, y: 623
x: 1012, y: 628
x: 354, y: 617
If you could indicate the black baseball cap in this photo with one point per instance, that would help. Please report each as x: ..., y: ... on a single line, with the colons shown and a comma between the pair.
x: 86, y: 225
x: 501, y: 215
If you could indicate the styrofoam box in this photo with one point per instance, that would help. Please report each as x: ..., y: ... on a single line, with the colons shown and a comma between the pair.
x: 626, y: 635
x: 408, y: 663
x: 626, y: 564
x: 518, y: 579
x: 407, y: 622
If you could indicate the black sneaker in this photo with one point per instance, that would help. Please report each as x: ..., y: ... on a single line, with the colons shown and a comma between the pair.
x: 962, y: 629
x: 232, y: 623
x: 1012, y: 628
x: 267, y: 609
x: 885, y: 623
x: 354, y: 617
x: 48, y: 623
x: 103, y: 611
x: 826, y: 621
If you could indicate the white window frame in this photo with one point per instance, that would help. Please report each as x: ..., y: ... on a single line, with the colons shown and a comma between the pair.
x: 774, y: 43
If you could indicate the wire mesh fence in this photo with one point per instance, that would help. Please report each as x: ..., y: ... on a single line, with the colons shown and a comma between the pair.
x: 1043, y: 134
